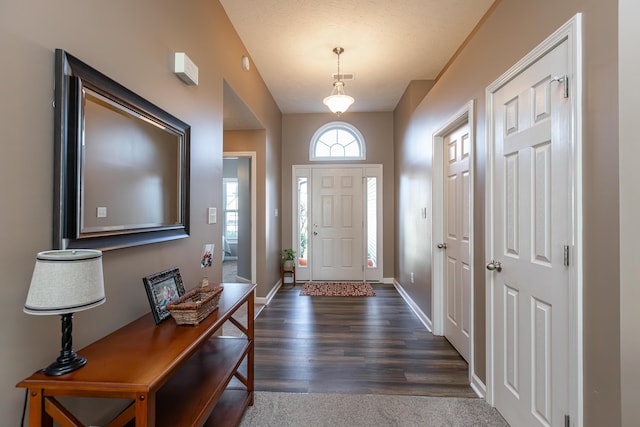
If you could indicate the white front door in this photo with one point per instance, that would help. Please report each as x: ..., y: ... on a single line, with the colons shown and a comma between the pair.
x: 337, y: 223
x: 457, y: 228
x: 530, y: 231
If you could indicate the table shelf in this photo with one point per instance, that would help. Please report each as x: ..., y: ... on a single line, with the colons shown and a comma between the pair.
x: 199, y: 382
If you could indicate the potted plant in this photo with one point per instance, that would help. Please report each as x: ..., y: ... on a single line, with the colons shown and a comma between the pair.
x: 288, y: 259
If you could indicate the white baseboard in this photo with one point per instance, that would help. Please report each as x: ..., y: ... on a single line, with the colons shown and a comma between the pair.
x: 266, y: 300
x: 414, y: 307
x: 388, y: 280
x: 478, y: 386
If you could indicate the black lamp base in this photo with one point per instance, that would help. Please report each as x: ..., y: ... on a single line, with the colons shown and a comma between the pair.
x: 68, y: 360
x: 65, y: 364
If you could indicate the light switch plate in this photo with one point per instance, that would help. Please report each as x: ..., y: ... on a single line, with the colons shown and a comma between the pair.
x: 212, y: 216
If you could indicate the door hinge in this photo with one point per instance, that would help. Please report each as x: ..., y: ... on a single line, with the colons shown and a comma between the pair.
x: 566, y: 255
x: 567, y: 421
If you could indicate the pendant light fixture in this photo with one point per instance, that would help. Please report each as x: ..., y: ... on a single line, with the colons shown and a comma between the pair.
x: 338, y: 102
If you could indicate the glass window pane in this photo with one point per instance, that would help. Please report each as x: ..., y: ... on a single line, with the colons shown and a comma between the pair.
x: 330, y: 137
x: 337, y: 141
x: 352, y: 150
x: 337, y: 151
x: 231, y: 225
x: 231, y: 195
x: 372, y: 223
x: 322, y: 150
x: 303, y: 236
x: 345, y: 137
x: 230, y: 214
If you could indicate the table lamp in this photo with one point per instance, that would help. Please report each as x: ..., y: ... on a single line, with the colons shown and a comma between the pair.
x: 64, y: 282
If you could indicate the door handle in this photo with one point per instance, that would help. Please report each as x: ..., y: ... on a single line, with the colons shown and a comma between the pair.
x: 494, y: 265
x: 315, y: 233
x: 442, y: 246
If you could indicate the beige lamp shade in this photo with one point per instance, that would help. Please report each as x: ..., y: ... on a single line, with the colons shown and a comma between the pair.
x: 66, y: 281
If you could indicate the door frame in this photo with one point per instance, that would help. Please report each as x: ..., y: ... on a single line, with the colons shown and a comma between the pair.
x: 464, y: 115
x: 368, y: 170
x: 253, y: 169
x: 571, y: 31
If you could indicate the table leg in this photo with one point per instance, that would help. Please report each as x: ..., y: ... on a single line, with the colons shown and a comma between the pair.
x: 37, y: 414
x: 146, y: 410
x: 250, y: 337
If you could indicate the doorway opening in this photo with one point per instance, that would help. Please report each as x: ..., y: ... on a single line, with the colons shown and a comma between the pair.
x: 453, y: 260
x: 238, y: 217
x: 243, y: 139
x: 337, y: 222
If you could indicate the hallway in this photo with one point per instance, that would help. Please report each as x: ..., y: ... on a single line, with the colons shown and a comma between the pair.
x: 365, y: 345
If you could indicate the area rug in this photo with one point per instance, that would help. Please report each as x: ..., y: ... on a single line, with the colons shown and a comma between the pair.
x: 275, y: 409
x: 337, y: 289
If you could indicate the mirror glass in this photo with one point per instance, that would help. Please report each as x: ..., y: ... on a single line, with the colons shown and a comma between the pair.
x: 137, y: 157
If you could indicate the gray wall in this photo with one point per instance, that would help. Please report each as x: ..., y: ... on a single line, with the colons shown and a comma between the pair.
x: 244, y: 224
x: 513, y: 29
x: 133, y: 43
x: 629, y: 209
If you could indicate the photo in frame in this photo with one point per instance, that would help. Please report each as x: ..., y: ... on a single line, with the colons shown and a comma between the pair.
x: 162, y: 288
x: 206, y: 260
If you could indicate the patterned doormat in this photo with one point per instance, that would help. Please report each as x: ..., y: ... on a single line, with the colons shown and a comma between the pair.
x: 337, y: 289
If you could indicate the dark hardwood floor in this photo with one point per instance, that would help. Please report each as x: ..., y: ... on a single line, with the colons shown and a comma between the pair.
x: 365, y: 345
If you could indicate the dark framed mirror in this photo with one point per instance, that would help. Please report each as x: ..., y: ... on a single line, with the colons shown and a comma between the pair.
x: 121, y: 164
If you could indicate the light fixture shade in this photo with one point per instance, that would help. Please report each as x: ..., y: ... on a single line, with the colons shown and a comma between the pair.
x: 338, y: 102
x: 66, y: 281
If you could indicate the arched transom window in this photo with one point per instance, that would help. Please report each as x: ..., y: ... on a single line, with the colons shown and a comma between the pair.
x: 337, y: 141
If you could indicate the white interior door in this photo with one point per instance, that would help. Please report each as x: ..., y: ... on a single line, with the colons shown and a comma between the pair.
x: 530, y: 227
x: 337, y: 224
x: 457, y: 235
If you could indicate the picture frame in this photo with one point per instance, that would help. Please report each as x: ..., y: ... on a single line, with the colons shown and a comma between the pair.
x: 105, y: 135
x: 162, y: 288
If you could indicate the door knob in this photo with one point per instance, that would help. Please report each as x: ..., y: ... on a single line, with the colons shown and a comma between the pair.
x: 315, y: 233
x: 494, y: 265
x: 442, y: 246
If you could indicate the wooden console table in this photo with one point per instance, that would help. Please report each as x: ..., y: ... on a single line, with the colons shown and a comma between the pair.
x: 174, y: 375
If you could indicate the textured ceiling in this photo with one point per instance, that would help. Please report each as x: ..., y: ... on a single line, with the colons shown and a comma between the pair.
x: 387, y: 44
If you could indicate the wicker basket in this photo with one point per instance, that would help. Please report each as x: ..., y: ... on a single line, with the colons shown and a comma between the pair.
x: 195, y: 305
